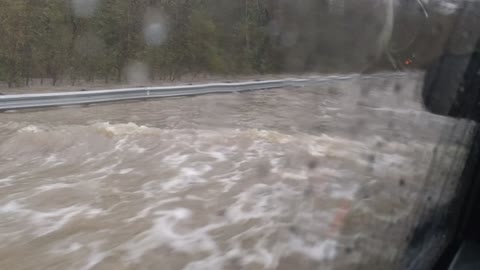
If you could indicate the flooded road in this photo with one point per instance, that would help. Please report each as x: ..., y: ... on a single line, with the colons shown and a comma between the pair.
x: 319, y: 177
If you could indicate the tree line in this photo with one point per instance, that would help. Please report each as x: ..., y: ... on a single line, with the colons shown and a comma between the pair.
x: 89, y: 40
x: 62, y: 40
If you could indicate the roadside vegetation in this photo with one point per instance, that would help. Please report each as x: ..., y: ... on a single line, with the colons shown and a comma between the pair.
x: 70, y: 41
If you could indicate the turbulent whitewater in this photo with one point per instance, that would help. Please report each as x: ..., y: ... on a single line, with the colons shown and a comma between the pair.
x: 318, y: 177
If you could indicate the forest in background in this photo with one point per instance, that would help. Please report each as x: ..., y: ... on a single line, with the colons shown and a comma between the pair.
x: 63, y: 40
x: 68, y: 41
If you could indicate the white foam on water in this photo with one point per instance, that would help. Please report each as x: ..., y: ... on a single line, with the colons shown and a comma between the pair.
x: 184, y: 176
x: 126, y: 171
x: 48, y: 222
x: 121, y: 144
x: 11, y: 125
x: 124, y: 129
x: 66, y: 248
x: 344, y: 191
x: 229, y: 180
x: 147, y: 210
x: 296, y: 175
x: 322, y: 250
x: 30, y: 129
x: 137, y: 149
x: 96, y: 255
x: 211, y: 263
x: 42, y: 223
x: 411, y: 112
x: 270, y: 136
x: 45, y: 222
x: 53, y: 159
x: 175, y: 159
x: 187, y: 177
x: 94, y: 213
x: 5, y: 180
x: 162, y: 233
x: 11, y: 207
x: 48, y: 187
x: 194, y: 198
x: 219, y: 156
x: 260, y: 201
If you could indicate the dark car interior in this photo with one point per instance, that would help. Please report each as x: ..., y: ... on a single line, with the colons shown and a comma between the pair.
x: 451, y: 88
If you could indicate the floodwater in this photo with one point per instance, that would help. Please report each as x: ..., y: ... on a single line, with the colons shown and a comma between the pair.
x: 328, y: 176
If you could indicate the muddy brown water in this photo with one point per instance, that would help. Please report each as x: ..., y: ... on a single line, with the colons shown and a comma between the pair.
x: 329, y: 176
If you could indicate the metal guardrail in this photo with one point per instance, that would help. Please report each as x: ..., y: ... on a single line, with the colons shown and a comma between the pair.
x: 32, y: 101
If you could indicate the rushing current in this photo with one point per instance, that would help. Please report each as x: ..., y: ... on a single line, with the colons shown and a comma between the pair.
x: 317, y: 177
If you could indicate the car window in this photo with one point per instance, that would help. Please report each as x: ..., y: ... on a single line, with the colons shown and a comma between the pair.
x: 251, y: 134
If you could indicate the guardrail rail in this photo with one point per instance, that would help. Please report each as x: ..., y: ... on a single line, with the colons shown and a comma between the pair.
x: 32, y: 101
